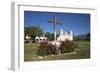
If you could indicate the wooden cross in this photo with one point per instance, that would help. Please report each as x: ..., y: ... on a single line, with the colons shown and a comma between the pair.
x: 54, y: 21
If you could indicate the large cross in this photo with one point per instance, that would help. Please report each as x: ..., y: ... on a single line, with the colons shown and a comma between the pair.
x: 54, y: 21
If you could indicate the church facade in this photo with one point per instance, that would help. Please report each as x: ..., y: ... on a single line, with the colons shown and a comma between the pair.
x: 63, y: 36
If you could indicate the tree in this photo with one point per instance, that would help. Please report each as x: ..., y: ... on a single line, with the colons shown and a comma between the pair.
x: 33, y: 31
x: 49, y: 36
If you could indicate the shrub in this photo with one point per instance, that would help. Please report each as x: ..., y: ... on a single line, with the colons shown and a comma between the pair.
x: 46, y: 49
x: 67, y: 46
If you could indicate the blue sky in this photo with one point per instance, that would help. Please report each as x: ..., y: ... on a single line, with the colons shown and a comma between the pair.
x: 78, y: 23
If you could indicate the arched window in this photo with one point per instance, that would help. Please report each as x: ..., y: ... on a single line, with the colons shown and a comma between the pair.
x: 43, y: 39
x: 37, y: 39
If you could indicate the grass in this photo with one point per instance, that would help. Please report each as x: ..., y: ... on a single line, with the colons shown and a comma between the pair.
x: 82, y: 52
x: 30, y: 50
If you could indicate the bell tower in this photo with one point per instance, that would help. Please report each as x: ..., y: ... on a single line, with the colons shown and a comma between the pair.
x: 61, y: 32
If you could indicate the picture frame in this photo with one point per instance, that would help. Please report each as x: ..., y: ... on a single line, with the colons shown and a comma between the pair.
x: 17, y: 35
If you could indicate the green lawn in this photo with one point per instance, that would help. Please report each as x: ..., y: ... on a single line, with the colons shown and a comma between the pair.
x: 81, y: 52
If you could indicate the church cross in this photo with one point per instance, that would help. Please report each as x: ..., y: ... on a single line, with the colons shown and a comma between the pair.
x: 54, y: 21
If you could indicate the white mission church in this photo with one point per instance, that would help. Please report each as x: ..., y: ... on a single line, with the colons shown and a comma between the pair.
x: 63, y: 36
